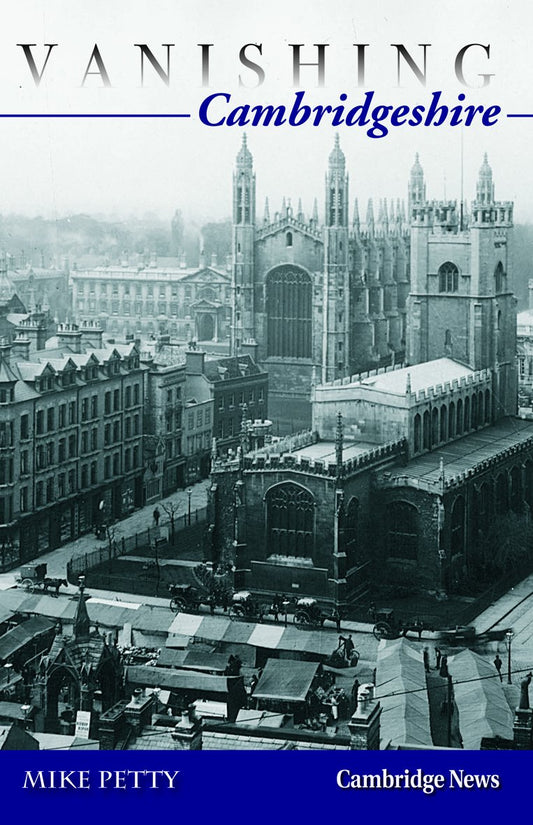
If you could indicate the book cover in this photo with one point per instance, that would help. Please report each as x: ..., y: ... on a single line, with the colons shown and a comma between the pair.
x: 368, y: 163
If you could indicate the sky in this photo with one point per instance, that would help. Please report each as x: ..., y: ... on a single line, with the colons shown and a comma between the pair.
x: 120, y: 167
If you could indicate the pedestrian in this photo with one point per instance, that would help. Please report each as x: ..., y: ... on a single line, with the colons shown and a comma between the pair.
x: 425, y: 655
x: 438, y: 657
x: 349, y: 648
x: 355, y: 694
x: 157, y: 516
x: 444, y: 667
x: 336, y: 617
x: 498, y: 665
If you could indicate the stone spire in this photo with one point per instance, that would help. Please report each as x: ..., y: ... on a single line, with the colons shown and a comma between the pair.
x: 417, y: 187
x: 244, y: 156
x: 355, y: 221
x: 266, y: 218
x: 82, y: 624
x: 370, y: 216
x: 485, y: 186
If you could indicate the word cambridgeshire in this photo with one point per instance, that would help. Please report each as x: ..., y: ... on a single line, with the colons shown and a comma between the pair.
x: 116, y: 779
x: 215, y: 110
x: 417, y: 780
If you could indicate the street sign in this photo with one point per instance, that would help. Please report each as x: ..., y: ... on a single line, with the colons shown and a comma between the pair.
x: 83, y: 723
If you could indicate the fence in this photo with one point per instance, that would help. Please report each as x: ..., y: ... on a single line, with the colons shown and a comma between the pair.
x: 140, y: 542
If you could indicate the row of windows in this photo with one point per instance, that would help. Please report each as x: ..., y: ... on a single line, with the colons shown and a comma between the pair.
x: 200, y: 441
x: 202, y: 417
x: 448, y: 275
x: 45, y: 420
x: 451, y: 420
x: 228, y: 401
x: 140, y: 290
x: 45, y: 491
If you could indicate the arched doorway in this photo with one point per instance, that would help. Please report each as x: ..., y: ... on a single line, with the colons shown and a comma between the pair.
x: 206, y: 327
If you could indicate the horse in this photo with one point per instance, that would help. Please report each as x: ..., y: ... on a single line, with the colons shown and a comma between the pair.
x: 54, y: 584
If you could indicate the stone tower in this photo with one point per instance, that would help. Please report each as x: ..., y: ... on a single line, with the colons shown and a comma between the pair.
x: 243, y: 321
x: 461, y: 303
x: 336, y: 300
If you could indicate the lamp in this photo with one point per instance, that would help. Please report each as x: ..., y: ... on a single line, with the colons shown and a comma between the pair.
x: 508, y: 639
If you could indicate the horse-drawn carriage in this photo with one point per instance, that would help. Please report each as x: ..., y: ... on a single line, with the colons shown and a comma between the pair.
x: 244, y: 606
x: 33, y: 576
x: 187, y: 598
x: 388, y: 626
x: 308, y: 613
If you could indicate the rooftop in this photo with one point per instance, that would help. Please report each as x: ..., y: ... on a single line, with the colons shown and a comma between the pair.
x: 419, y: 376
x: 463, y: 455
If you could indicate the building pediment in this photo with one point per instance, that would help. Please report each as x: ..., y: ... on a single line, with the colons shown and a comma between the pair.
x: 204, y: 303
x: 207, y: 275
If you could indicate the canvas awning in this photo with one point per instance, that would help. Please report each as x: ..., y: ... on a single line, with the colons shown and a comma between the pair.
x: 287, y: 680
x: 22, y: 634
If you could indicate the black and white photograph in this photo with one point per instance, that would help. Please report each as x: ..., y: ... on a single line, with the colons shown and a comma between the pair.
x: 266, y: 377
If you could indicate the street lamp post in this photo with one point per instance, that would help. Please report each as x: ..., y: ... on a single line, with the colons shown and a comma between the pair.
x: 189, y: 494
x: 509, y: 638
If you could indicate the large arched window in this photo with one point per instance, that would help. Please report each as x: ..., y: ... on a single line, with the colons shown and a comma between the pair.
x: 443, y: 422
x: 448, y: 278
x: 418, y: 429
x: 403, y: 530
x: 451, y: 420
x: 289, y: 312
x: 290, y: 520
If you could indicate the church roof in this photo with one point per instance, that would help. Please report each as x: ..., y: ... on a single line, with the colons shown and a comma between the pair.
x: 463, y: 455
x: 418, y: 377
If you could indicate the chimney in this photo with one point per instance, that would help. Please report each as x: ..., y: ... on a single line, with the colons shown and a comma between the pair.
x: 194, y: 362
x: 5, y: 351
x: 69, y: 336
x: 250, y: 348
x: 92, y: 334
x: 21, y: 347
x: 187, y: 734
x: 364, y: 725
x: 138, y: 711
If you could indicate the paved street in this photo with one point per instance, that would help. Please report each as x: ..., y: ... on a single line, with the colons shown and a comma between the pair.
x: 136, y: 523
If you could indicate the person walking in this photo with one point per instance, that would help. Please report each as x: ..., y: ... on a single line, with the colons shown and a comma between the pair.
x: 438, y: 657
x: 498, y: 665
x: 157, y: 515
x: 444, y: 667
x: 426, y: 659
x: 336, y: 616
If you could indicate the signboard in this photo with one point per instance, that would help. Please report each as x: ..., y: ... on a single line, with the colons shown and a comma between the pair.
x: 83, y: 723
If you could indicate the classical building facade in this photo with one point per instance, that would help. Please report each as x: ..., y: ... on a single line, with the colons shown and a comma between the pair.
x: 408, y: 470
x: 147, y: 299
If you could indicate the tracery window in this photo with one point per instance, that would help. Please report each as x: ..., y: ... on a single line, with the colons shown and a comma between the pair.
x: 289, y: 312
x: 448, y: 277
x: 403, y: 530
x: 290, y: 520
